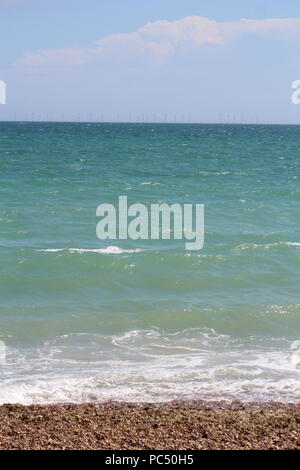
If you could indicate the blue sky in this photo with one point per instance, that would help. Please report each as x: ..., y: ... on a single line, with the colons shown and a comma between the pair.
x: 190, y: 60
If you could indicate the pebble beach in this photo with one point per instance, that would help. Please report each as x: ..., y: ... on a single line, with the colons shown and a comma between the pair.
x: 129, y: 426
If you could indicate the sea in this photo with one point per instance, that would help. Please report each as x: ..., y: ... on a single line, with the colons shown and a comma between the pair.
x: 89, y: 320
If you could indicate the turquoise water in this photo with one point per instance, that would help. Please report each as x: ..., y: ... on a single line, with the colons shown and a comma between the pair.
x: 87, y: 320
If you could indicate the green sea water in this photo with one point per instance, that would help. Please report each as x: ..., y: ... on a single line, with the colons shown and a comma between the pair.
x: 89, y: 320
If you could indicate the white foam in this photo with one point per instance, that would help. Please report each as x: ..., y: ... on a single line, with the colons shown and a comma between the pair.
x: 110, y: 250
x: 2, y: 352
x: 52, y: 250
x: 246, y: 246
x: 153, y: 366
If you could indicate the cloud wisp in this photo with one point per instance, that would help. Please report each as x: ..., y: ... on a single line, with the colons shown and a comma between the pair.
x: 158, y: 41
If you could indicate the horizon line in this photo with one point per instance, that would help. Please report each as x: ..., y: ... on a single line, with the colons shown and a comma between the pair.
x: 249, y: 123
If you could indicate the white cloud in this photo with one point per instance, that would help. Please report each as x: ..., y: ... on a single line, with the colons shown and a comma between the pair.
x: 157, y: 41
x: 55, y: 57
x: 195, y: 30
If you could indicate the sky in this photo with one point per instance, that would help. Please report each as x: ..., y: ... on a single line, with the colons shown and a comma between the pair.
x: 158, y: 61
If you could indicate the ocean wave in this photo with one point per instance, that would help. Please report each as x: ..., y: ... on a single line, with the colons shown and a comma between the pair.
x: 249, y: 246
x: 110, y: 250
x: 152, y: 366
x: 104, y: 388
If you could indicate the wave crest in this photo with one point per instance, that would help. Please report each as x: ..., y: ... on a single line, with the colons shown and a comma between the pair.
x: 110, y: 250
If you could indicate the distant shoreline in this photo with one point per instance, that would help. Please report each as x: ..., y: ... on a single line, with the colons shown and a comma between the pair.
x: 189, y: 425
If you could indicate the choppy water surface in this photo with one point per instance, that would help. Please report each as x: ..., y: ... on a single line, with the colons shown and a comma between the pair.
x: 86, y: 320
